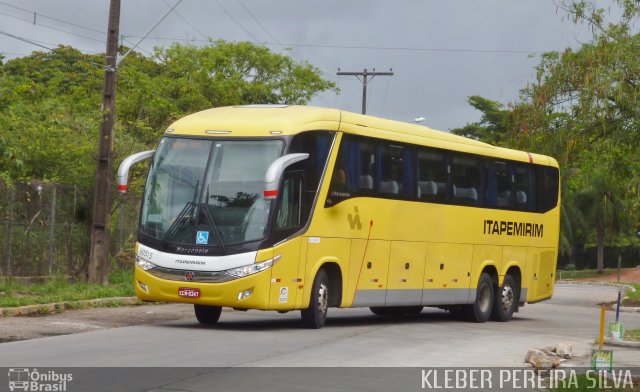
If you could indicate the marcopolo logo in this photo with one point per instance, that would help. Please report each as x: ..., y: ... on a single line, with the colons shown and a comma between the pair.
x: 24, y: 379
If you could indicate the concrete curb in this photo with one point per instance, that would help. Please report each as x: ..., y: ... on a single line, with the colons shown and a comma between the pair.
x: 57, y: 307
x: 621, y: 343
x: 627, y: 309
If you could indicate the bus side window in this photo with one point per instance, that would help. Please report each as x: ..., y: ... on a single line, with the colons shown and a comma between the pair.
x: 354, y: 173
x: 395, y: 170
x: 547, y: 181
x: 523, y: 185
x: 499, y: 184
x: 290, y: 212
x: 432, y: 176
x: 466, y: 177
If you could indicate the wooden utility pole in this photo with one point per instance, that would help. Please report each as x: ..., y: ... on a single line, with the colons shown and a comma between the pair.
x: 98, y: 269
x: 365, y: 74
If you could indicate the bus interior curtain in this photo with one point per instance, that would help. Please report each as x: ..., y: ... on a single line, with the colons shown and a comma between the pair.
x: 408, y: 174
x: 352, y: 163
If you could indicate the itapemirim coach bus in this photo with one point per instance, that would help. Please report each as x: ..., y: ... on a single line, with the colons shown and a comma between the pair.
x: 277, y: 207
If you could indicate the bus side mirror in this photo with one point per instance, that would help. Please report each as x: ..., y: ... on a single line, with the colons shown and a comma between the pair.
x: 275, y: 170
x: 123, y: 169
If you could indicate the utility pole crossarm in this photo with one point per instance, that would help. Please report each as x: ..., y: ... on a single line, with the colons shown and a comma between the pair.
x: 365, y: 81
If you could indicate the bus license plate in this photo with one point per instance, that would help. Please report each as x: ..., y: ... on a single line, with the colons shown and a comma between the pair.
x: 189, y: 292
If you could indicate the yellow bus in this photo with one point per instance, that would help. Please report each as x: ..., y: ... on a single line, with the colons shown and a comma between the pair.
x: 283, y: 208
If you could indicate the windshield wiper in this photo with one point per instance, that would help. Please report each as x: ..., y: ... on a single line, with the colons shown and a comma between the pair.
x: 187, y: 212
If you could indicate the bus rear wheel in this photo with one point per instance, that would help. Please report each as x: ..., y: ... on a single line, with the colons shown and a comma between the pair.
x: 315, y: 316
x: 481, y: 309
x: 506, y: 300
x: 207, y: 314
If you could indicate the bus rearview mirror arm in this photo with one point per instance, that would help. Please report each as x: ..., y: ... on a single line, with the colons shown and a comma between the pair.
x: 275, y: 170
x: 123, y: 169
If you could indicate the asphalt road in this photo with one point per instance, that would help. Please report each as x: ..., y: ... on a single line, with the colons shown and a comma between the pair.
x: 351, y: 338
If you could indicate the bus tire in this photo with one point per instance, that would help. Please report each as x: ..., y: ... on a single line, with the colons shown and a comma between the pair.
x: 481, y: 309
x: 505, y: 300
x: 315, y: 316
x: 207, y: 314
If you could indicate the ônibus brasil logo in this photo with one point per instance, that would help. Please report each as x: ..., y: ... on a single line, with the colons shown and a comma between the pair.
x: 24, y: 379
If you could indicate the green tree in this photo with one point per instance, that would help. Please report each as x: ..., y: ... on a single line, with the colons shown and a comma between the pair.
x: 602, y: 209
x: 493, y: 124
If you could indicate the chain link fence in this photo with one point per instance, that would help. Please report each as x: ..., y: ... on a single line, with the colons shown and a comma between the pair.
x: 44, y: 229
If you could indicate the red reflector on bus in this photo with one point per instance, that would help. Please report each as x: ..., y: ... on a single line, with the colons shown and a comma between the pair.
x: 188, y: 292
x: 122, y: 187
x: 271, y: 193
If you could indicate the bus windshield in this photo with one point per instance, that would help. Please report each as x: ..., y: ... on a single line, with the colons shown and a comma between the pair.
x: 208, y: 192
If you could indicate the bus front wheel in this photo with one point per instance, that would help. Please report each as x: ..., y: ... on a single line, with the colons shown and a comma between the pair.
x: 207, y: 314
x: 506, y: 300
x: 315, y: 316
x: 482, y: 307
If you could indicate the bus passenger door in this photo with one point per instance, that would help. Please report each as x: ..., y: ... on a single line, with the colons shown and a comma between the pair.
x: 370, y: 270
x: 284, y: 275
x: 406, y: 269
x: 446, y: 274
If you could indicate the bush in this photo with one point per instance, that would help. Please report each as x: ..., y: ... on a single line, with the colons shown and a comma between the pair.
x: 570, y: 267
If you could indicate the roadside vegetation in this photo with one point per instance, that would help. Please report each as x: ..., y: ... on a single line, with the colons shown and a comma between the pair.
x: 59, y: 289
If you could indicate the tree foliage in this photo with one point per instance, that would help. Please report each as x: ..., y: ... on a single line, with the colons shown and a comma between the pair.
x: 50, y: 102
x: 582, y: 109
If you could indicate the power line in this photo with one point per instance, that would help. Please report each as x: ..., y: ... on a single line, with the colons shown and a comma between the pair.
x: 51, y: 27
x: 52, y: 18
x: 185, y: 20
x: 258, y: 22
x: 238, y: 23
x: 25, y: 40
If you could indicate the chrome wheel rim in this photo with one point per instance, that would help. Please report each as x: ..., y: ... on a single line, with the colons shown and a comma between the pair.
x: 323, y: 299
x: 507, y: 298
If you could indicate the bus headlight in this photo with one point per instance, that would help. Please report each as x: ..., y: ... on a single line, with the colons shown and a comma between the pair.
x: 144, y: 264
x: 251, y: 269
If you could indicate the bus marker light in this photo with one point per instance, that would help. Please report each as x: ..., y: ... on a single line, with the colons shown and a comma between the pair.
x: 143, y: 287
x: 403, y: 280
x: 296, y: 280
x: 270, y: 194
x: 374, y: 280
x: 300, y: 286
x: 244, y: 294
x: 430, y: 280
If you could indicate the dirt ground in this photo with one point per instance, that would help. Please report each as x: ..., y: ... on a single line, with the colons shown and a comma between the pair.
x: 627, y: 275
x: 82, y: 320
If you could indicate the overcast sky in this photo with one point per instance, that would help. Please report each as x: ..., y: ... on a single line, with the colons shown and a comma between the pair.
x: 440, y: 51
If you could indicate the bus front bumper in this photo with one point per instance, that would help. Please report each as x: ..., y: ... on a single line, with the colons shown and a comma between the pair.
x: 250, y: 292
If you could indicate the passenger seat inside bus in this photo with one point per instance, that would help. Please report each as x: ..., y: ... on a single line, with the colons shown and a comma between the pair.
x: 427, y: 189
x: 366, y: 182
x: 389, y: 187
x: 469, y: 194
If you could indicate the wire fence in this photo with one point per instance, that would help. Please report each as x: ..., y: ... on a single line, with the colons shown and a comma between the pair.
x: 44, y: 229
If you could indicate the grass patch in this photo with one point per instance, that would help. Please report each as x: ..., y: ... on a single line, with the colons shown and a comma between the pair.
x: 632, y: 297
x: 632, y: 335
x: 583, y: 274
x: 59, y: 289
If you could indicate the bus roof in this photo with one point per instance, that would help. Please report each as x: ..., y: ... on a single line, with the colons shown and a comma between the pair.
x: 275, y: 120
